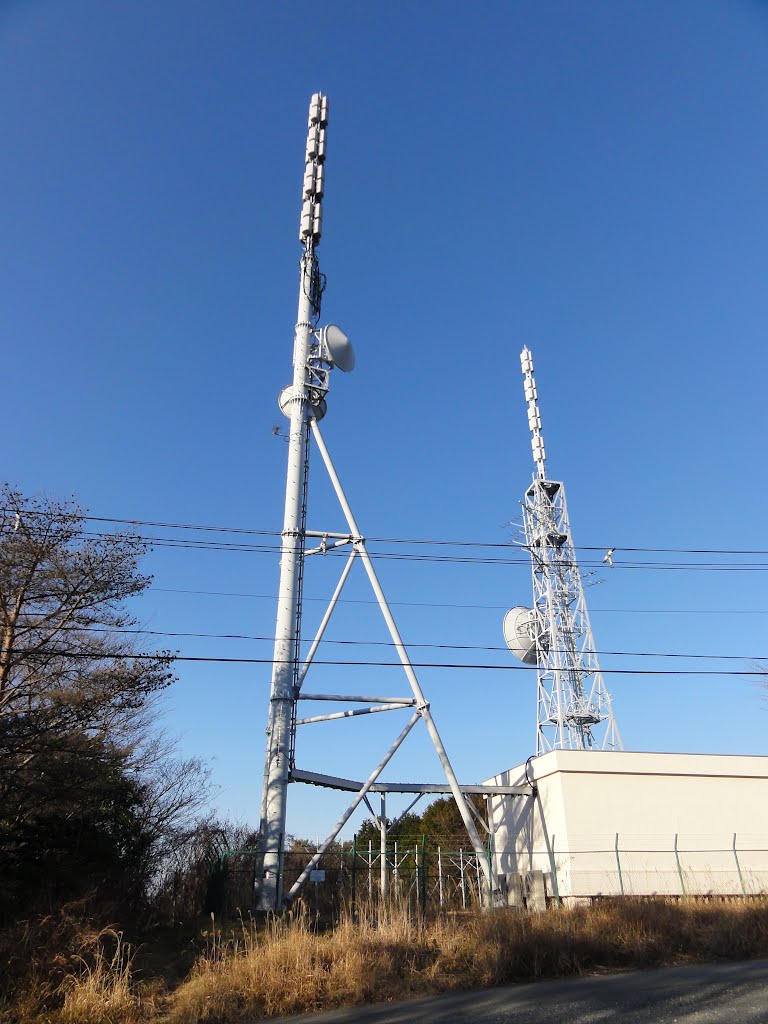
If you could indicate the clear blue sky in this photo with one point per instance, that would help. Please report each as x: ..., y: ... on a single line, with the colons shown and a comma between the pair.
x: 588, y: 179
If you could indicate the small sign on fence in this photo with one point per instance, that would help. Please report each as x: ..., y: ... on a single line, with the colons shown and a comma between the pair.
x: 317, y: 876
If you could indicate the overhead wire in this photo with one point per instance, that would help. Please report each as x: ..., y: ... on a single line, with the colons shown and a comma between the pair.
x: 130, y: 631
x: 450, y: 604
x: 164, y: 524
x: 274, y: 549
x: 194, y: 544
x: 91, y: 656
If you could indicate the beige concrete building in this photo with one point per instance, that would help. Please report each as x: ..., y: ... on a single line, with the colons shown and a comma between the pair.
x: 609, y: 822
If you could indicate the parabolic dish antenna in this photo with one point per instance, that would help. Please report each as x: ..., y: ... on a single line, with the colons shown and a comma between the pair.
x: 339, y: 348
x: 520, y: 633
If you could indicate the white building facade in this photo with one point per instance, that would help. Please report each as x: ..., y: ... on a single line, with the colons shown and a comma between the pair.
x: 611, y: 823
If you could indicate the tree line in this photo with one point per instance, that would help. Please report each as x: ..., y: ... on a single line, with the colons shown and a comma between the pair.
x: 94, y: 800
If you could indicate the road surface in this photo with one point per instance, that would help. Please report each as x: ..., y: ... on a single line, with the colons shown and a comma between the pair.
x: 723, y: 993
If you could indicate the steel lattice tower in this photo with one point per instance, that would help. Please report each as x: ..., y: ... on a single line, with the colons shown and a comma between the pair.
x: 573, y: 706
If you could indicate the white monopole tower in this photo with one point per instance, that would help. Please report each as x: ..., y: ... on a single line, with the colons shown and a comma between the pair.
x: 573, y: 706
x: 316, y: 352
x: 300, y: 402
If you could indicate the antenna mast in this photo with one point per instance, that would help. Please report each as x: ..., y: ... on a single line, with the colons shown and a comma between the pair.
x: 301, y: 401
x: 316, y: 352
x: 573, y: 705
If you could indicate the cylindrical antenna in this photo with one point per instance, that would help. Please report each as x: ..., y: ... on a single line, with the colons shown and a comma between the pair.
x: 534, y: 416
x: 297, y: 404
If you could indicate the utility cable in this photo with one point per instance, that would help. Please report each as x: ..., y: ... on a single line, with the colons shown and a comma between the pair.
x: 126, y: 656
x: 273, y: 549
x: 481, y: 607
x: 391, y: 540
x: 120, y: 631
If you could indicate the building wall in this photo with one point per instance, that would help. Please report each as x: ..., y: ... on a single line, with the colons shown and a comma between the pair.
x: 607, y: 822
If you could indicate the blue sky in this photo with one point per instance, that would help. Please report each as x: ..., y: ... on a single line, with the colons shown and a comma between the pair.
x: 587, y: 179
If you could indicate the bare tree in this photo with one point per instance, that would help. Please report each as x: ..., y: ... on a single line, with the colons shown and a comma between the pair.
x: 84, y: 777
x: 62, y: 588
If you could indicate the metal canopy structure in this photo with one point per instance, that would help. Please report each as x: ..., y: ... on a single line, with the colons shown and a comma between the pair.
x: 574, y: 709
x: 316, y: 352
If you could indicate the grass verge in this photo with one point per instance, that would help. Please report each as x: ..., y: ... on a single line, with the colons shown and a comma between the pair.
x: 288, y: 967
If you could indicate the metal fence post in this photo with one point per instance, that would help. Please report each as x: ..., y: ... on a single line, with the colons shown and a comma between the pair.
x: 490, y: 870
x: 463, y: 881
x: 423, y: 874
x: 618, y: 865
x: 354, y: 869
x: 679, y: 868
x: 738, y: 866
x: 418, y: 875
x: 553, y: 868
x: 440, y: 874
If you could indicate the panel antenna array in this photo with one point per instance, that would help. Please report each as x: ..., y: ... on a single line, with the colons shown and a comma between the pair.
x: 573, y: 706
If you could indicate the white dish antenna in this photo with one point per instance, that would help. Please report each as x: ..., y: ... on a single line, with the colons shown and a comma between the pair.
x: 339, y: 347
x: 520, y: 633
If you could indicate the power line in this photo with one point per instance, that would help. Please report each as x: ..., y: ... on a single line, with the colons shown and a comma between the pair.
x: 154, y: 523
x: 249, y: 531
x: 414, y: 557
x: 449, y: 604
x: 390, y: 643
x: 124, y: 656
x: 274, y: 549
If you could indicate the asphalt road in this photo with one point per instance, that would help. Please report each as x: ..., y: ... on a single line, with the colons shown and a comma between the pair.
x: 730, y: 993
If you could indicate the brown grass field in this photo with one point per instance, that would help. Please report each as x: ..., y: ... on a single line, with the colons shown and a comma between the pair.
x: 286, y: 966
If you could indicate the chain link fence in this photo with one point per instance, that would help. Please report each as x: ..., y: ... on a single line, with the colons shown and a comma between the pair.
x: 665, y: 866
x: 429, y: 878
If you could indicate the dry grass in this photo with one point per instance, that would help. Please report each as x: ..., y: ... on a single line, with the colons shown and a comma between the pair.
x: 104, y: 991
x: 61, y: 969
x: 290, y: 969
x: 287, y: 967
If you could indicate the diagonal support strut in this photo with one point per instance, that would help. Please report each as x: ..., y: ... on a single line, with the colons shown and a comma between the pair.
x: 421, y: 702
